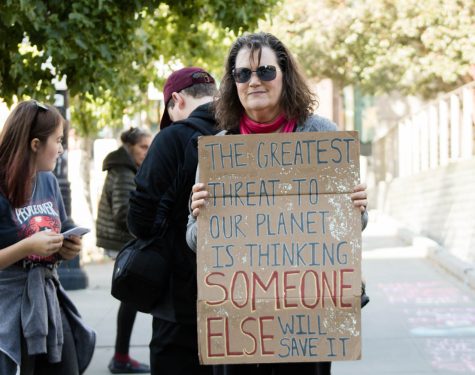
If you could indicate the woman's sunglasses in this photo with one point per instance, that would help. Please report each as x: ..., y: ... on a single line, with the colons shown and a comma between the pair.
x: 264, y: 73
x: 39, y: 107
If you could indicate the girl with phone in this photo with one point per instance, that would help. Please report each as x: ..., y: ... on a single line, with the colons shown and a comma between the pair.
x: 41, y: 330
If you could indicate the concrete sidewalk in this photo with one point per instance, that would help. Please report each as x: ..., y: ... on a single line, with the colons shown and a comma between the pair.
x: 420, y: 321
x: 99, y: 310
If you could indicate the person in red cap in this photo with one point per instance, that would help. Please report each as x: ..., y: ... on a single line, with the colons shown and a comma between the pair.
x: 159, y: 208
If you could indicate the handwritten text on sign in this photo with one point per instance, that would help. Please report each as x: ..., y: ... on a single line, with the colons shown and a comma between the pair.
x: 279, y: 248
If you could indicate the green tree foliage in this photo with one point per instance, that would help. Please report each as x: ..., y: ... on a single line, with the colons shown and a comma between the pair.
x: 111, y: 49
x: 108, y: 48
x: 418, y: 47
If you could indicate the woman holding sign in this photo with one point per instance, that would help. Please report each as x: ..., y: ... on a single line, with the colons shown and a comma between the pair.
x: 263, y: 92
x: 41, y: 331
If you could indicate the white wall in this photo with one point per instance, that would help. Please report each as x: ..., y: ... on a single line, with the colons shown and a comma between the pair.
x: 437, y: 203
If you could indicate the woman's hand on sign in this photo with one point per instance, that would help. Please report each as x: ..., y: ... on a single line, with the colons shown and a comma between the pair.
x: 359, y: 197
x: 198, y: 198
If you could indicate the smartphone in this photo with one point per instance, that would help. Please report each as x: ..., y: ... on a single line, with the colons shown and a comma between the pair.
x: 77, y: 231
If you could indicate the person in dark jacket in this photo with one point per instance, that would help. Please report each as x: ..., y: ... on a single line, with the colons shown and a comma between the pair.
x: 159, y: 208
x: 112, y: 232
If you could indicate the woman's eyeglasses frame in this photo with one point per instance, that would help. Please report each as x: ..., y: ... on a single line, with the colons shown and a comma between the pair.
x: 39, y: 107
x: 265, y: 73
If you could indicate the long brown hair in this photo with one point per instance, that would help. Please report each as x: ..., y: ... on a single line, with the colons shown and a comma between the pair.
x: 27, y: 121
x: 297, y: 100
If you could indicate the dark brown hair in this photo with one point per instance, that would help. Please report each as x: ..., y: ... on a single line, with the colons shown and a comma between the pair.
x: 133, y: 135
x: 197, y: 91
x: 297, y: 100
x: 27, y: 121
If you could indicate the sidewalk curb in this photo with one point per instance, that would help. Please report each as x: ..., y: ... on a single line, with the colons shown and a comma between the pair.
x: 460, y: 269
x: 464, y: 271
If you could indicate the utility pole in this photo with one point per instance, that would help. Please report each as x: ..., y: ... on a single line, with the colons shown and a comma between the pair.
x: 71, y: 275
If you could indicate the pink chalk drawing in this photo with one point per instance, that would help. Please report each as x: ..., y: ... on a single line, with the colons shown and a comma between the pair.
x: 452, y: 354
x: 443, y: 316
x: 423, y: 293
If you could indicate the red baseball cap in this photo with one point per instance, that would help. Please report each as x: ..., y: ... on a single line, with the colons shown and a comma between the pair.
x: 180, y: 80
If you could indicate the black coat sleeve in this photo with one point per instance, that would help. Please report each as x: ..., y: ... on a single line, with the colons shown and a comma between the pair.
x: 151, y: 203
x: 122, y: 183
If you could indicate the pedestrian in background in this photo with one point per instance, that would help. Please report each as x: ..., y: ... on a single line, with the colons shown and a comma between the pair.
x: 262, y: 92
x: 112, y: 232
x: 41, y: 331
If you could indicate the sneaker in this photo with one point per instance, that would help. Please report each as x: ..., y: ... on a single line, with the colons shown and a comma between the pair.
x: 130, y: 367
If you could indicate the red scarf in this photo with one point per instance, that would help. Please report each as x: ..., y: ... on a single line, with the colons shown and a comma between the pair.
x: 248, y: 126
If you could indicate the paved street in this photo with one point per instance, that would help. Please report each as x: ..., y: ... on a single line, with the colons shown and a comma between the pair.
x: 420, y: 319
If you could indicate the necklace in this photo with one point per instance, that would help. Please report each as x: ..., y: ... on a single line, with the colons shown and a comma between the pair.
x: 34, y: 188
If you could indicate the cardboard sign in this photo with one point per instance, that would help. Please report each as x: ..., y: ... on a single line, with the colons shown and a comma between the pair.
x: 279, y: 249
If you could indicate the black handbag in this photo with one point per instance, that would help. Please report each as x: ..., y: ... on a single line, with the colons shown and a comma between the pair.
x: 141, y: 274
x: 364, y: 296
x: 142, y: 268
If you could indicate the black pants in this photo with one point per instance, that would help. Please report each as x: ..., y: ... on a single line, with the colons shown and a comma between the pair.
x: 174, y: 350
x: 125, y: 322
x: 39, y: 365
x: 320, y: 368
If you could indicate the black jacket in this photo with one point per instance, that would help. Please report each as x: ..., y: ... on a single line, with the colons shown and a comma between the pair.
x: 111, y: 225
x: 159, y: 207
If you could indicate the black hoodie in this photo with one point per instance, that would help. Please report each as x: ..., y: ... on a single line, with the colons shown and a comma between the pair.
x: 159, y: 208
